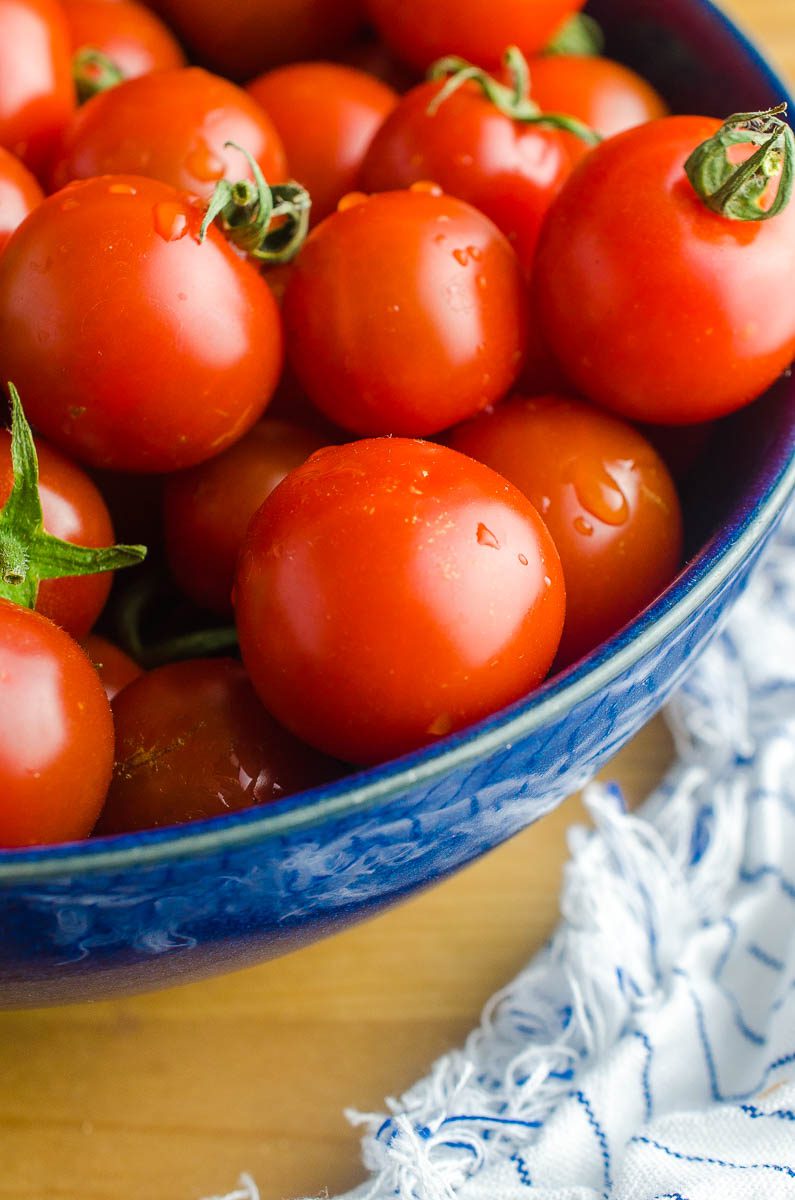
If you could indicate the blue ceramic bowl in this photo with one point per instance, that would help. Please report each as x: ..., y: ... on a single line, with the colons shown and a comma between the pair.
x: 138, y: 912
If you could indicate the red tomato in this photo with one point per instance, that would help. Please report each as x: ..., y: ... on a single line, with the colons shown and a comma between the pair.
x: 131, y: 36
x: 326, y: 115
x: 207, y: 509
x: 123, y: 131
x: 605, y: 496
x: 115, y: 668
x: 56, y: 733
x: 136, y: 347
x: 390, y: 592
x: 37, y: 95
x: 193, y: 742
x: 509, y: 170
x: 19, y: 195
x: 604, y: 94
x: 405, y: 313
x: 420, y: 31
x: 681, y: 314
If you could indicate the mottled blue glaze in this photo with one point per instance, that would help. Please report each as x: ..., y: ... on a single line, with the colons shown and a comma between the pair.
x: 139, y: 912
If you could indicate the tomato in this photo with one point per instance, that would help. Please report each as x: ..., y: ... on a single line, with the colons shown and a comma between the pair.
x: 115, y: 668
x: 606, y: 95
x: 705, y: 326
x: 19, y: 195
x: 123, y: 131
x: 405, y: 313
x: 509, y: 170
x: 208, y: 508
x: 37, y: 95
x: 605, y: 496
x: 56, y: 733
x: 251, y: 35
x: 390, y: 592
x: 136, y: 346
x: 326, y: 115
x: 131, y: 36
x: 421, y: 31
x: 193, y: 742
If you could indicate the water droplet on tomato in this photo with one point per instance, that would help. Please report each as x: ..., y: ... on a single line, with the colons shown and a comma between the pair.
x: 523, y: 559
x: 461, y: 257
x: 204, y: 164
x: 474, y: 253
x: 122, y: 189
x: 582, y: 526
x: 70, y: 205
x: 352, y: 200
x: 486, y: 537
x: 599, y: 494
x: 426, y: 187
x: 441, y: 725
x: 171, y: 220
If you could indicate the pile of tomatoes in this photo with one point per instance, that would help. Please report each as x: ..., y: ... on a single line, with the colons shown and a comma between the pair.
x: 370, y: 352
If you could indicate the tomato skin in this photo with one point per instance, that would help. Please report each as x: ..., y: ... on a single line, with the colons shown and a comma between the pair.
x: 175, y: 347
x: 56, y: 733
x: 115, y: 668
x: 391, y: 591
x: 37, y: 96
x: 705, y: 327
x: 207, y: 509
x: 326, y: 115
x: 19, y: 195
x: 405, y: 313
x: 478, y: 30
x: 131, y: 36
x: 605, y: 496
x: 193, y: 742
x: 123, y: 132
x: 606, y: 95
x: 510, y: 171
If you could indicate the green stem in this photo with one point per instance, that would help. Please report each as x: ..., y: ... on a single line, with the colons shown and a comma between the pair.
x: 94, y: 72
x: 581, y: 36
x: 739, y: 191
x: 131, y: 613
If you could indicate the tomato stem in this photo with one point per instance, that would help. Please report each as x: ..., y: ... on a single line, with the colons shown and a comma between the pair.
x: 581, y: 35
x: 131, y: 614
x: 93, y: 72
x: 741, y: 191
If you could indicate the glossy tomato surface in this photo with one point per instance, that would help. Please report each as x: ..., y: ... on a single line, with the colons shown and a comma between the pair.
x: 207, y: 509
x: 19, y: 195
x: 135, y: 346
x: 606, y: 95
x: 392, y: 591
x: 405, y: 313
x: 130, y: 35
x: 56, y: 733
x: 606, y: 498
x: 172, y: 126
x: 327, y: 115
x: 115, y: 668
x: 681, y: 315
x: 193, y: 741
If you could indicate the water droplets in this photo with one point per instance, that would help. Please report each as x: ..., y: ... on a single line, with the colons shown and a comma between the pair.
x: 486, y: 538
x: 204, y: 164
x: 122, y: 189
x: 171, y: 220
x: 352, y: 200
x: 523, y: 559
x: 584, y: 527
x: 600, y: 495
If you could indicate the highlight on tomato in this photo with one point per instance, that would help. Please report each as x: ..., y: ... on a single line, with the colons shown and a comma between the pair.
x: 19, y: 195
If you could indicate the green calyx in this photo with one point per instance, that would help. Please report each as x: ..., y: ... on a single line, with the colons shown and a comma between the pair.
x: 248, y: 211
x: 27, y: 553
x: 741, y: 190
x: 93, y: 72
x: 581, y: 35
x: 513, y: 100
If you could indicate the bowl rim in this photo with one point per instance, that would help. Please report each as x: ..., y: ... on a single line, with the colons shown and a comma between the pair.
x: 713, y: 565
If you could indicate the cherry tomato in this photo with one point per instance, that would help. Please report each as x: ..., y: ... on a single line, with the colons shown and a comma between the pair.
x: 405, y: 313
x: 421, y: 31
x: 56, y: 733
x: 123, y: 131
x: 392, y: 591
x: 605, y: 95
x: 208, y: 508
x: 115, y: 668
x: 193, y: 742
x: 605, y: 496
x: 37, y: 95
x: 131, y: 36
x: 19, y: 195
x: 509, y: 170
x: 326, y: 115
x: 136, y: 347
x: 705, y: 326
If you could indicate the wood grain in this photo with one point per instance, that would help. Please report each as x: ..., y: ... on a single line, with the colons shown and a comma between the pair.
x: 167, y: 1097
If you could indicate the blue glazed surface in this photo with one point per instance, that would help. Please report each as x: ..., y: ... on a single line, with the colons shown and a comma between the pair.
x: 134, y: 913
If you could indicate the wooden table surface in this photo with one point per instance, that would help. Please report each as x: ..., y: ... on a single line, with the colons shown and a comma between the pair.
x: 169, y: 1096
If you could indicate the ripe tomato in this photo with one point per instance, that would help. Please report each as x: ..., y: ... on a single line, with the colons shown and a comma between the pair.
x: 509, y: 170
x: 115, y: 668
x: 604, y: 94
x: 123, y: 132
x: 421, y: 31
x: 392, y: 591
x: 56, y: 733
x: 605, y: 496
x: 193, y: 742
x: 326, y: 115
x: 709, y: 321
x: 207, y: 509
x: 37, y: 95
x: 131, y: 36
x: 405, y: 313
x: 19, y: 195
x: 136, y: 346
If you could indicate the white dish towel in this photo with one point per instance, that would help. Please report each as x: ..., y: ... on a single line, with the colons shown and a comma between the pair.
x: 648, y: 1053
